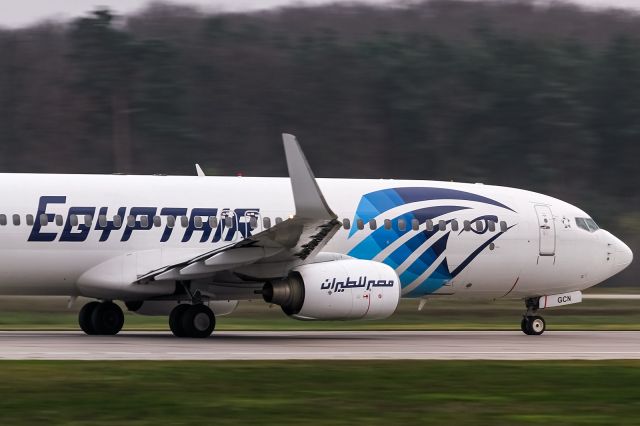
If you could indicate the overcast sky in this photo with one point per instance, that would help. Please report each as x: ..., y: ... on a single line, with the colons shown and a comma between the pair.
x: 16, y: 13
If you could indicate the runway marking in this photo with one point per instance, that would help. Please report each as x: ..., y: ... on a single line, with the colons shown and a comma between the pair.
x: 322, y: 353
x: 323, y: 345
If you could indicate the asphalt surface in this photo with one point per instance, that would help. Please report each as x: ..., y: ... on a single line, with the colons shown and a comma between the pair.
x: 325, y: 345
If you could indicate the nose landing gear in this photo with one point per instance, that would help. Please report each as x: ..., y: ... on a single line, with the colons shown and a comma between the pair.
x: 532, y: 324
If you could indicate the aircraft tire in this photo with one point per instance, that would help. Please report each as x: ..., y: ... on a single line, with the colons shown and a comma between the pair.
x: 533, y: 325
x: 175, y: 320
x: 107, y: 319
x: 523, y: 325
x: 537, y: 325
x: 84, y: 318
x: 198, y: 321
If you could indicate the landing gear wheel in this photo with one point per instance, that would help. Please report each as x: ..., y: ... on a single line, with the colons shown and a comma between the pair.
x: 533, y: 325
x: 175, y: 320
x: 107, y: 319
x: 84, y: 318
x: 523, y: 325
x: 198, y: 321
x: 536, y: 325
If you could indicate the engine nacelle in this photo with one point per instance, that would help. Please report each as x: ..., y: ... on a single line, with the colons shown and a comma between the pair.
x: 338, y: 290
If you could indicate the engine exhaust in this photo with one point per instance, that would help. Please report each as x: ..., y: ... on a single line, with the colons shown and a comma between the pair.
x: 288, y: 293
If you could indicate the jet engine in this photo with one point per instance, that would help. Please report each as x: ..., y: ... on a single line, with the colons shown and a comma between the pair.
x: 338, y: 290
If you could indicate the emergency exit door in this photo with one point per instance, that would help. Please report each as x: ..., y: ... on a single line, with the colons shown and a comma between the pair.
x: 546, y: 230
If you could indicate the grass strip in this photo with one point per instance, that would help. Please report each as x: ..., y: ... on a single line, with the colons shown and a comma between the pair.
x: 323, y: 392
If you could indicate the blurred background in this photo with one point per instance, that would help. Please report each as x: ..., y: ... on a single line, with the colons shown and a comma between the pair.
x: 537, y: 95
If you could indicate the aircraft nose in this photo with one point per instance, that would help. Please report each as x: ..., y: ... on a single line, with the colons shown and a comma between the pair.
x: 621, y: 253
x: 624, y: 255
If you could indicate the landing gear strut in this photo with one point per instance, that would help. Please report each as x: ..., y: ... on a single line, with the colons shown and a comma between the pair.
x: 96, y: 318
x: 532, y: 324
x: 192, y: 321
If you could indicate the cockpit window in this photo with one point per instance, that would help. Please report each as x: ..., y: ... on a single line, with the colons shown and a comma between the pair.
x: 587, y: 224
x: 593, y: 226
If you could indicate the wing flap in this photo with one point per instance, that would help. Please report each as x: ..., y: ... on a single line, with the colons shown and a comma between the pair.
x: 240, y: 256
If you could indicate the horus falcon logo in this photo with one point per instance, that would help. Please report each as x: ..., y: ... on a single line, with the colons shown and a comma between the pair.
x: 419, y: 258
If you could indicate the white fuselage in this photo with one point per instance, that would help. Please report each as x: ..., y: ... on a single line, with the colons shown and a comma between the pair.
x: 517, y: 255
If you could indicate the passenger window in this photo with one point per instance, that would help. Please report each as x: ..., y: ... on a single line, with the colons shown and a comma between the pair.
x: 429, y: 224
x: 30, y: 219
x: 131, y: 221
x: 442, y: 225
x: 88, y: 219
x: 387, y: 224
x: 144, y: 221
x: 228, y: 222
x: 492, y: 226
x: 197, y: 222
x: 102, y: 220
x: 454, y: 225
x: 479, y: 226
x: 73, y: 219
x: 117, y: 221
x: 402, y: 225
x: 59, y: 220
x: 346, y: 224
x: 415, y: 224
x: 157, y: 221
x: 253, y: 222
x: 278, y: 220
x: 3, y: 219
x: 373, y: 225
x: 171, y: 221
x: 466, y: 225
x: 184, y: 221
x: 360, y: 224
x: 44, y: 219
x: 266, y: 222
x: 16, y: 219
x: 213, y: 222
x: 503, y: 226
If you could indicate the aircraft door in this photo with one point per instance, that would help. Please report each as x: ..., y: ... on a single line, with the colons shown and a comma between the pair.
x: 547, y: 231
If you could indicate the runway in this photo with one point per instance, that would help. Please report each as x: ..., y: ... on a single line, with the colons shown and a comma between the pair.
x: 324, y: 345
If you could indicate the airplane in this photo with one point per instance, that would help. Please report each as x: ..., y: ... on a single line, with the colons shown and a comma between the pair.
x: 192, y: 247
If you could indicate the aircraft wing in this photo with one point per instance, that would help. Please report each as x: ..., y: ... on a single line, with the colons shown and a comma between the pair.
x: 293, y: 241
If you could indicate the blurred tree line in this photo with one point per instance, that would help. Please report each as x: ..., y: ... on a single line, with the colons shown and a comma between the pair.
x: 508, y: 93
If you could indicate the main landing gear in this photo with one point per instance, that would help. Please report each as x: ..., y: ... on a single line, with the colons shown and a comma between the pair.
x: 192, y: 320
x: 101, y: 318
x: 532, y: 324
